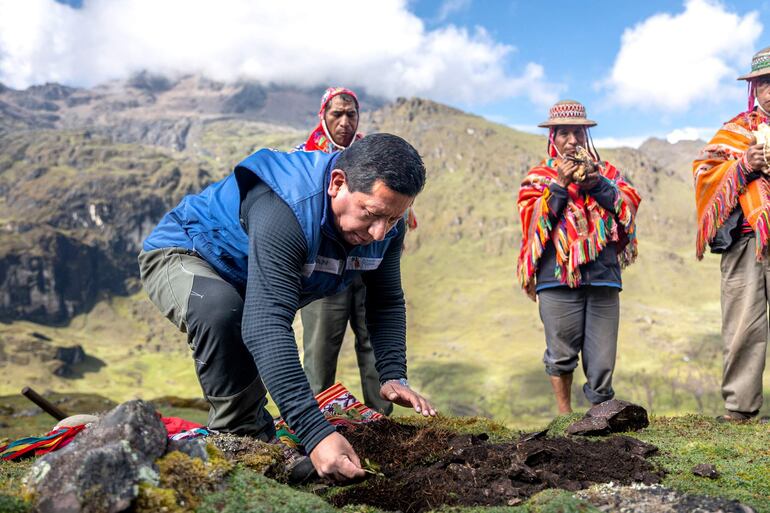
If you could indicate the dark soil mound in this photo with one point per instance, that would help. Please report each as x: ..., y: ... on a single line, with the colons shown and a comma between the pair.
x: 425, y: 468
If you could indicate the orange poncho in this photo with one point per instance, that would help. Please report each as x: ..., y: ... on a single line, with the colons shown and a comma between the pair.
x: 720, y: 183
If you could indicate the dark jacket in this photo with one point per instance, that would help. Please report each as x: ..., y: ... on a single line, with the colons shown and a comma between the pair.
x: 732, y: 228
x: 605, y: 270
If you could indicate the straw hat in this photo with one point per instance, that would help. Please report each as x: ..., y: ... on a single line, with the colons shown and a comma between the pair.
x: 567, y: 112
x: 760, y: 65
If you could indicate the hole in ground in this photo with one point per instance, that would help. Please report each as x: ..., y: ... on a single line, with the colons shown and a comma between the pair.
x: 425, y: 468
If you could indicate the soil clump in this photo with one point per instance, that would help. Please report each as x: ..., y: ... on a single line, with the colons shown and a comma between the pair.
x: 419, y: 469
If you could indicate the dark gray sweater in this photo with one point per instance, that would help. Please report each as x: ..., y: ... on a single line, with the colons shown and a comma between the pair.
x: 277, y: 252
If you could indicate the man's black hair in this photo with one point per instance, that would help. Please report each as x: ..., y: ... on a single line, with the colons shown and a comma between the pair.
x: 345, y: 98
x: 385, y: 157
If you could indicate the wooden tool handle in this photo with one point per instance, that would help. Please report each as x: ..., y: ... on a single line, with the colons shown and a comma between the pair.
x: 46, y: 405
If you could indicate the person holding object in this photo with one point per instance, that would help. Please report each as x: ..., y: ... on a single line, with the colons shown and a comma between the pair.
x: 732, y: 197
x: 578, y: 221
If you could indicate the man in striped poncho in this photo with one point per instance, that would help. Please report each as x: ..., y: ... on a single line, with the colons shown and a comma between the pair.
x: 578, y: 221
x: 732, y: 196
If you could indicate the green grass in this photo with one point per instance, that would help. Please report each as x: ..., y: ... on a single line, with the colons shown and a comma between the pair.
x: 740, y: 451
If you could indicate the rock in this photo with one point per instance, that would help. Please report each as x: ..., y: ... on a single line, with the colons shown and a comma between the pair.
x: 589, y: 426
x: 193, y: 447
x: 101, y: 469
x: 613, y: 416
x: 71, y: 355
x: 705, y: 470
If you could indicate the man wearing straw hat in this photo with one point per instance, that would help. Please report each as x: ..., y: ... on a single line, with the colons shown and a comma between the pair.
x: 578, y: 222
x: 732, y: 196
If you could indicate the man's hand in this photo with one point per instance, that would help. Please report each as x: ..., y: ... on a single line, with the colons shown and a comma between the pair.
x: 564, y: 171
x: 402, y: 395
x: 755, y: 158
x: 335, y: 458
x: 592, y: 177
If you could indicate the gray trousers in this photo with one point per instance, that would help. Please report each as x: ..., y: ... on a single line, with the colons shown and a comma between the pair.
x: 745, y: 329
x: 324, y: 323
x: 188, y: 291
x: 583, y: 319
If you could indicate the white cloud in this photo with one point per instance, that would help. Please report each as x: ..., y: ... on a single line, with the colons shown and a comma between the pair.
x: 449, y: 7
x: 620, y: 142
x: 378, y: 45
x: 690, y: 133
x: 673, y: 62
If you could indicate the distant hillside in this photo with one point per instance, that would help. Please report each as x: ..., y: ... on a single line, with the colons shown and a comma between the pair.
x: 157, y: 110
x: 80, y: 193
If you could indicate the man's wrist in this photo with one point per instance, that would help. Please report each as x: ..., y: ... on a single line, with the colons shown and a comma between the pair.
x: 400, y: 381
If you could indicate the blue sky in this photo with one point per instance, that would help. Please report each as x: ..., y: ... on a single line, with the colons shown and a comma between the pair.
x: 578, y: 47
x: 650, y: 68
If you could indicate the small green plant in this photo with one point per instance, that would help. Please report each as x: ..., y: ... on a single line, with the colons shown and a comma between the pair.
x: 370, y: 467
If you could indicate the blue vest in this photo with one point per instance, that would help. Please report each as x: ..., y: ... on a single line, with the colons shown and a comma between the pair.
x: 210, y: 224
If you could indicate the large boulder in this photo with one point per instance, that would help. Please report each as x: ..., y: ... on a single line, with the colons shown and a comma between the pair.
x: 101, y: 469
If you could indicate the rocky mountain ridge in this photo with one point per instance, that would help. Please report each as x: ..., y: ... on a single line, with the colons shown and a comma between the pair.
x: 158, y: 110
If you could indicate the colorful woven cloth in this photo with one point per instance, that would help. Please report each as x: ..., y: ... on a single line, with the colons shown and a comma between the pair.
x: 583, y: 229
x: 175, y: 425
x: 720, y: 183
x: 191, y: 433
x: 339, y: 407
x: 320, y: 139
x: 181, y: 429
x: 178, y: 429
x: 35, y: 446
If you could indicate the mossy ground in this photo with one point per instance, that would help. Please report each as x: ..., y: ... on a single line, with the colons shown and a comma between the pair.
x: 741, y: 452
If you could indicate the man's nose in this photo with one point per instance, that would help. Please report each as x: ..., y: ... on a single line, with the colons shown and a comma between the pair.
x: 378, y: 229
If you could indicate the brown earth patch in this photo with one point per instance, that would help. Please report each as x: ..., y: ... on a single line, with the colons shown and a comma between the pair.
x: 423, y: 468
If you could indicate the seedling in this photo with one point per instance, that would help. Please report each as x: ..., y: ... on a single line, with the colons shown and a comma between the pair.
x: 371, y: 467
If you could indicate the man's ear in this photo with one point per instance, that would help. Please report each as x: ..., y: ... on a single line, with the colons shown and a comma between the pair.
x: 338, y: 180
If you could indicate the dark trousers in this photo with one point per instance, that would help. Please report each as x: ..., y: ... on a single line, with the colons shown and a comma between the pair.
x: 584, y: 320
x: 188, y: 291
x: 324, y: 323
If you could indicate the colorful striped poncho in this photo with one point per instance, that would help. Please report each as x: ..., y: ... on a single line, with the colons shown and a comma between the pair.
x: 720, y: 183
x: 583, y: 229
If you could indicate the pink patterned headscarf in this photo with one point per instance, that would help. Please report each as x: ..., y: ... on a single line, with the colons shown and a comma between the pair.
x: 320, y: 139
